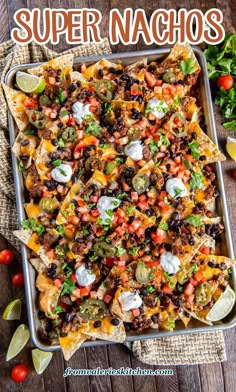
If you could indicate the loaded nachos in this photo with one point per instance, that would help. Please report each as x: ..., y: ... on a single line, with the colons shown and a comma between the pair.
x: 121, y: 216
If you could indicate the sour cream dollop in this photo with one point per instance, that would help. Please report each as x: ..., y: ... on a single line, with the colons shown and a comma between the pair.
x: 134, y: 150
x: 176, y: 188
x: 157, y: 107
x: 80, y: 111
x: 62, y: 173
x: 84, y: 276
x: 170, y: 262
x: 130, y: 300
x: 106, y: 203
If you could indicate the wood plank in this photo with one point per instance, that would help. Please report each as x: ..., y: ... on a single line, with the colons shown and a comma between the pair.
x: 167, y: 383
x: 211, y: 377
x: 119, y: 356
x: 189, y: 378
x: 97, y: 357
x: 229, y: 375
x: 62, y: 45
x: 13, y: 6
x: 4, y: 22
x: 143, y: 383
x: 78, y: 361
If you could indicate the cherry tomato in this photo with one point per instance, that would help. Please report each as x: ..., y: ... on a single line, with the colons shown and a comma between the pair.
x: 19, y: 373
x: 18, y: 280
x: 6, y: 256
x: 225, y: 81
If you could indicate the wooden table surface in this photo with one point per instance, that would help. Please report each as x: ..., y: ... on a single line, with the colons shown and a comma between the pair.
x: 216, y: 377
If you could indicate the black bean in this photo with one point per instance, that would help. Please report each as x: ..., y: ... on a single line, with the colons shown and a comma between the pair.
x: 63, y: 334
x: 187, y: 314
x: 143, y: 291
x: 60, y: 125
x: 59, y: 72
x: 168, y: 247
x: 100, y: 72
x: 115, y: 321
x: 54, y: 156
x: 72, y: 87
x: 25, y: 142
x: 50, y: 184
x: 41, y: 315
x: 154, y: 318
x: 203, y: 158
x: 178, y: 302
x: 78, y: 83
x: 97, y: 324
x: 191, y: 241
x: 212, y: 265
x: 118, y: 282
x: 193, y: 135
x: 181, y: 82
x: 129, y: 172
x: 151, y: 68
x: 112, y: 70
x: 54, y: 142
x: 131, y: 219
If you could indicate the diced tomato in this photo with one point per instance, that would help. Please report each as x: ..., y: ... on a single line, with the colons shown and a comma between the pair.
x: 150, y: 78
x: 95, y: 213
x: 171, y: 89
x: 140, y: 231
x: 136, y: 224
x: 125, y: 186
x: 93, y: 198
x: 52, y: 80
x: 159, y: 237
x: 31, y: 103
x: 193, y: 282
x: 73, y: 219
x: 93, y: 101
x: 109, y: 262
x: 107, y: 298
x: 120, y: 231
x: 76, y: 292
x: 190, y: 298
x: 189, y: 289
x: 50, y: 254
x: 83, y: 210
x: 166, y: 289
x: 142, y: 198
x: 57, y: 283
x: 162, y: 195
x: 142, y: 205
x: 84, y: 291
x: 73, y: 277
x: 136, y: 89
x: 85, y: 217
x: 189, y: 158
x: 71, y: 120
x: 120, y: 263
x: 80, y: 134
x: 81, y: 203
x: 205, y: 249
x: 136, y: 312
x: 130, y: 229
x: 199, y: 277
x: 159, y: 82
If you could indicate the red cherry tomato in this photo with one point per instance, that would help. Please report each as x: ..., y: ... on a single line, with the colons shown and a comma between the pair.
x: 19, y: 373
x: 18, y: 280
x: 6, y: 256
x: 225, y: 81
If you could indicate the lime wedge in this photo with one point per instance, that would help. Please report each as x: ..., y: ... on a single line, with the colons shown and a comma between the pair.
x: 41, y: 360
x: 18, y: 341
x: 13, y: 310
x: 231, y: 147
x: 30, y: 83
x: 223, y: 305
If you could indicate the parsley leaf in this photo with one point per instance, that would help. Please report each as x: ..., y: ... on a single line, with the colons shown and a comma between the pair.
x: 194, y: 220
x: 67, y: 287
x: 193, y: 146
x: 30, y: 224
x: 153, y: 146
x: 196, y: 181
x: 188, y: 66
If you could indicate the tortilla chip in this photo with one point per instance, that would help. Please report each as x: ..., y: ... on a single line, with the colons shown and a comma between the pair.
x: 190, y: 251
x: 15, y: 99
x: 115, y: 308
x: 138, y: 64
x: 62, y: 62
x: 107, y: 331
x: 38, y: 264
x: 29, y: 238
x: 72, y: 194
x: 206, y: 146
x: 181, y: 52
x: 120, y: 103
x: 72, y: 342
x: 194, y: 316
x: 19, y: 150
x: 215, y: 259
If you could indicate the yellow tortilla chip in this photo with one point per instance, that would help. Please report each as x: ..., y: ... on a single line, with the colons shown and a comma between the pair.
x: 15, y: 99
x: 38, y: 264
x: 206, y: 146
x: 72, y: 194
x: 107, y: 331
x: 72, y: 342
x: 31, y: 239
x: 181, y: 52
x: 215, y: 259
x: 115, y: 308
x: 62, y: 62
x: 28, y: 150
x: 138, y: 64
x: 190, y: 251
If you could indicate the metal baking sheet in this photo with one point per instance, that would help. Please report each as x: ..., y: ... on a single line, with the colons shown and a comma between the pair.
x: 227, y: 247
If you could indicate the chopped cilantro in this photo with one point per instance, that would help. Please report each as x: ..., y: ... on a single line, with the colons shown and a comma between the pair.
x: 64, y: 113
x: 68, y: 271
x: 153, y: 146
x: 130, y: 209
x: 93, y: 129
x: 188, y: 66
x: 61, y: 143
x: 31, y: 224
x: 163, y: 140
x: 61, y: 96
x: 121, y: 195
x: 150, y: 289
x: 29, y: 132
x: 67, y: 286
x: 119, y: 250
x: 57, y: 162
x: 60, y: 229
x: 85, y: 231
x: 193, y: 146
x: 134, y: 251
x: 194, y: 220
x: 194, y: 268
x: 196, y: 181
x: 86, y: 197
x: 118, y: 160
x: 57, y: 309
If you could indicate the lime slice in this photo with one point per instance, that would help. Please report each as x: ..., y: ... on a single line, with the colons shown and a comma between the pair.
x: 41, y: 360
x: 13, y: 310
x: 231, y: 147
x: 30, y: 83
x: 223, y: 305
x: 18, y: 341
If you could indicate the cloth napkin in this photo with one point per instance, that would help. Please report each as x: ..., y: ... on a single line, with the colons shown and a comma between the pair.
x: 183, y: 349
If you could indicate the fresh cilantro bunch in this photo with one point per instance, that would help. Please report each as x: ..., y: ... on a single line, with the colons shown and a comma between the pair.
x: 221, y: 60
